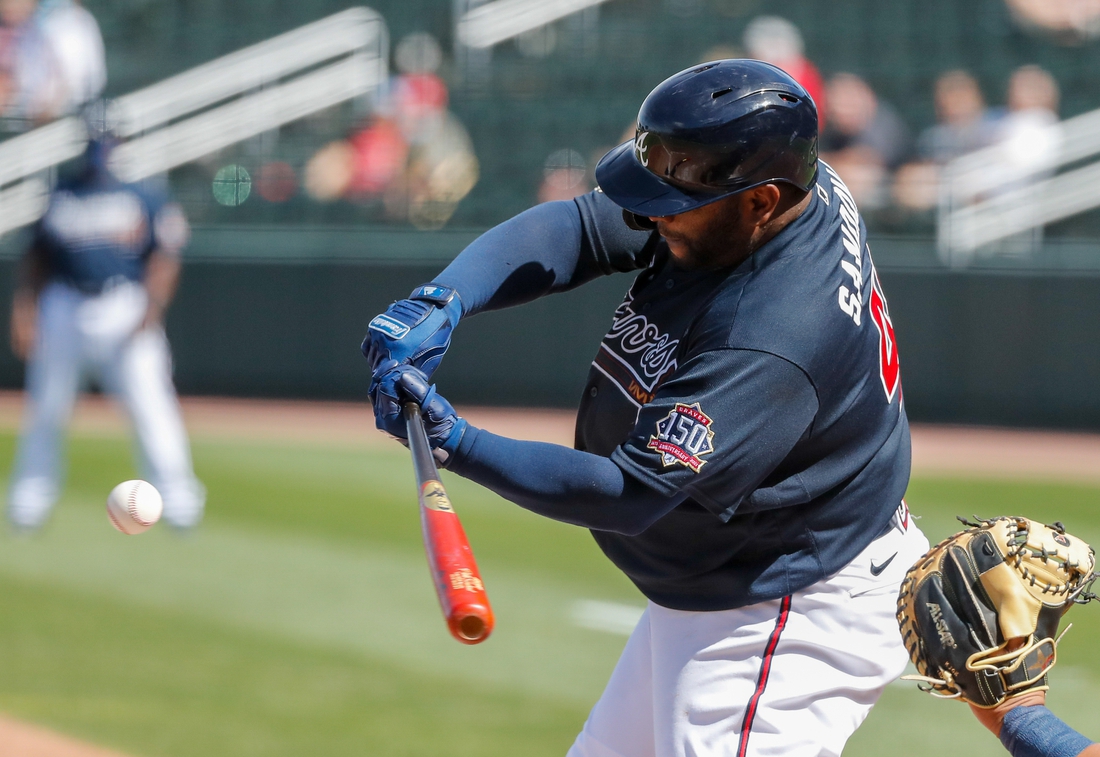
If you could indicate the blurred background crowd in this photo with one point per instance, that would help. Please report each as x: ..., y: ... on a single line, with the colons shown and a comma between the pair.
x: 52, y: 61
x: 329, y: 157
x: 467, y: 133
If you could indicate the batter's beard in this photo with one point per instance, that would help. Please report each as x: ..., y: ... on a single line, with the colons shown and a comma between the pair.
x: 723, y: 243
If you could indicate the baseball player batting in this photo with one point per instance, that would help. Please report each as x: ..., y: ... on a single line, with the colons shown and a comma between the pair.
x: 94, y: 283
x: 741, y: 447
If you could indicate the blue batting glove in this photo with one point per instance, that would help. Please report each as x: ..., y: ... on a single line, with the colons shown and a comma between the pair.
x: 397, y: 384
x: 416, y: 331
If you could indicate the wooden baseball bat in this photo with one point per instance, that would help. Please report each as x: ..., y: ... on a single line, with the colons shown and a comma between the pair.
x: 454, y: 571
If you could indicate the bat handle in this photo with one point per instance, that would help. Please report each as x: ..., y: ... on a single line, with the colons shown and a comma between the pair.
x: 423, y: 460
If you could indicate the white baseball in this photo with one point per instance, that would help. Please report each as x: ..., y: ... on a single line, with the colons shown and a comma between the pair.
x: 134, y: 506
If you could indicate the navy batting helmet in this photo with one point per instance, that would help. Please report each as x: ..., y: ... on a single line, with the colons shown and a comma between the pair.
x: 711, y: 131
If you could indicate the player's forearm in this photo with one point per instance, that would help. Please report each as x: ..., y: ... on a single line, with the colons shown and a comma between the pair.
x: 161, y: 279
x: 1034, y: 731
x: 560, y: 483
x: 32, y: 273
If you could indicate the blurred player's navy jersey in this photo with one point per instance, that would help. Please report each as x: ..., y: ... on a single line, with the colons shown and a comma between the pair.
x: 769, y: 394
x: 98, y: 230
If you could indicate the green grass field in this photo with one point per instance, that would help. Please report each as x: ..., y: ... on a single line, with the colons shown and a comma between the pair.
x: 300, y: 619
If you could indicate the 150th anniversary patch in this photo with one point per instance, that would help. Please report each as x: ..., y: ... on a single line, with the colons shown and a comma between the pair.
x: 683, y: 437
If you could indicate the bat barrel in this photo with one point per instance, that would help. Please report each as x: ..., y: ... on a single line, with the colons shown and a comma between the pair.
x: 454, y: 571
x: 458, y: 582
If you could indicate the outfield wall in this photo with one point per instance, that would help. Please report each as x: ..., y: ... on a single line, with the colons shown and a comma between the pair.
x: 992, y: 347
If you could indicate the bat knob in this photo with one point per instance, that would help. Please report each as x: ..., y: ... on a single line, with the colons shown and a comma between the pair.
x: 473, y: 625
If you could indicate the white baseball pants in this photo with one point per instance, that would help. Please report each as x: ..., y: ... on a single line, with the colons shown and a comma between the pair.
x: 83, y: 335
x: 792, y: 677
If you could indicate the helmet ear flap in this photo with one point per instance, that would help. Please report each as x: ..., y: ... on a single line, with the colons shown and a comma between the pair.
x: 637, y: 222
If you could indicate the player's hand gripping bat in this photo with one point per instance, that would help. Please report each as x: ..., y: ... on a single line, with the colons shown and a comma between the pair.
x: 457, y: 581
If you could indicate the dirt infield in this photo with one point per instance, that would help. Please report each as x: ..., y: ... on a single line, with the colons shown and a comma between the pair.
x: 22, y: 740
x: 948, y: 450
x: 287, y: 420
x: 943, y: 450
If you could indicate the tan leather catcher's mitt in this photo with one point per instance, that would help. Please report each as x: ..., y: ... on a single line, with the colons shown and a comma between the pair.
x: 979, y: 612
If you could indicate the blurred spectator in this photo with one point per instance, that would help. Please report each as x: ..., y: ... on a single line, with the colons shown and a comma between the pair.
x: 865, y: 139
x: 441, y: 170
x: 276, y: 181
x: 30, y: 77
x: 379, y: 154
x: 1027, y: 137
x: 565, y: 176
x: 51, y: 60
x: 779, y: 42
x: 413, y: 153
x: 329, y: 172
x: 74, y: 37
x: 964, y: 125
x: 1070, y: 20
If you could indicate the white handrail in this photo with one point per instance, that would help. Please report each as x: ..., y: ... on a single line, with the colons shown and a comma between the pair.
x: 984, y: 199
x: 499, y: 20
x: 247, y: 69
x: 23, y: 203
x: 38, y: 150
x: 1025, y: 208
x: 209, y: 107
x: 248, y: 116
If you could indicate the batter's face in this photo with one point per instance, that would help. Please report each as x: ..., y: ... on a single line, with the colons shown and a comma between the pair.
x: 700, y: 237
x: 722, y: 233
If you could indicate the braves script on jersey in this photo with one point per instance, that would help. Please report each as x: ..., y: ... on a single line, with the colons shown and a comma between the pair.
x: 770, y: 395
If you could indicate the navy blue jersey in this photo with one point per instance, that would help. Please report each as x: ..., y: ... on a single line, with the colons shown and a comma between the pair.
x: 769, y: 394
x: 98, y: 230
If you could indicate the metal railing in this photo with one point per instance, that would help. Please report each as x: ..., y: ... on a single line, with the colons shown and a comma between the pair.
x: 208, y: 108
x: 482, y: 24
x: 1006, y: 193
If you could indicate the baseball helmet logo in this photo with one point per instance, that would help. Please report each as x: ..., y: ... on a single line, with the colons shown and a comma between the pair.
x: 641, y: 149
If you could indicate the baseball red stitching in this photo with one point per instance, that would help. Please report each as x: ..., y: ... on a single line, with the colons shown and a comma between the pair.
x: 132, y: 509
x: 114, y: 521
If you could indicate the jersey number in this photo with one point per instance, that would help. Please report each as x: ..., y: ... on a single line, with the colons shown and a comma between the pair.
x: 888, y: 368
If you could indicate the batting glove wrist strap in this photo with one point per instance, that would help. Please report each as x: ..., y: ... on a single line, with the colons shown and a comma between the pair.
x: 416, y: 331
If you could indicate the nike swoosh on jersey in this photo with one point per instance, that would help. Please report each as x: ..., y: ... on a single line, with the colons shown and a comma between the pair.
x: 877, y: 569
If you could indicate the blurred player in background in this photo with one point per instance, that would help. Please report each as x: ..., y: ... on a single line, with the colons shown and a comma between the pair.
x: 93, y: 288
